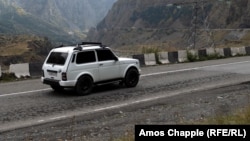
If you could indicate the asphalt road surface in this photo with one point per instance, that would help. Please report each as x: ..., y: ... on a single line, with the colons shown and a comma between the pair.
x: 165, y: 94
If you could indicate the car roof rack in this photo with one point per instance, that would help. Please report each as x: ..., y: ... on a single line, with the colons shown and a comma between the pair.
x: 81, y: 45
x: 94, y: 43
x: 91, y: 43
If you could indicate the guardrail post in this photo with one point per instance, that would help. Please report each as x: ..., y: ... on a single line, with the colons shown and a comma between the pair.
x: 247, y: 50
x: 141, y: 59
x: 0, y: 71
x: 182, y: 56
x: 35, y: 69
x: 163, y: 57
x: 173, y: 57
x: 227, y: 52
x: 20, y: 70
x: 150, y: 59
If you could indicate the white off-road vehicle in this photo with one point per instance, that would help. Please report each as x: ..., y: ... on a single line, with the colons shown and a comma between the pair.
x: 83, y: 66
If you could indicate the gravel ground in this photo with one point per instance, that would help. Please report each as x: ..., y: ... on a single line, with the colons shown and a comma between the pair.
x: 181, y: 109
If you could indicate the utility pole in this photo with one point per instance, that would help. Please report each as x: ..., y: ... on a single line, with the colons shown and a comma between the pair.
x: 199, y: 4
x: 195, y: 23
x: 195, y: 18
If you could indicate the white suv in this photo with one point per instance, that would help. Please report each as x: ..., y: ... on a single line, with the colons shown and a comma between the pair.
x: 83, y: 66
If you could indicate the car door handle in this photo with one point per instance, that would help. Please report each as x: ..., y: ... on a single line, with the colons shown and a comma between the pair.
x: 100, y: 64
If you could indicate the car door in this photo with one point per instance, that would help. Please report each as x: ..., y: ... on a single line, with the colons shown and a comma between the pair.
x: 84, y: 62
x: 109, y: 66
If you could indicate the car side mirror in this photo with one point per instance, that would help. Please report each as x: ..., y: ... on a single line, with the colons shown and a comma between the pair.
x: 116, y: 58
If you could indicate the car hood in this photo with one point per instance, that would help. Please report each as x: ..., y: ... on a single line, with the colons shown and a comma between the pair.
x: 128, y: 60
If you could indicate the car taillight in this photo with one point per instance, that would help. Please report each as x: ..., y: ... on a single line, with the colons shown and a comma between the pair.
x: 64, y: 76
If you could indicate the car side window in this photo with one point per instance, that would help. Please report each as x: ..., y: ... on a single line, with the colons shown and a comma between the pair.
x: 85, y: 57
x: 105, y: 55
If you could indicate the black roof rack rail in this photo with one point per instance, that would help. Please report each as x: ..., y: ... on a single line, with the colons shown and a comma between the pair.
x: 94, y: 43
x: 79, y: 47
x: 91, y: 43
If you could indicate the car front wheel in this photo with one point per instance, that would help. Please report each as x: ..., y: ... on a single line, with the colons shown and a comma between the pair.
x: 132, y: 77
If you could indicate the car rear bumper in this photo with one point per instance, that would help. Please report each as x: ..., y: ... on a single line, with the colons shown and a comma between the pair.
x: 49, y: 81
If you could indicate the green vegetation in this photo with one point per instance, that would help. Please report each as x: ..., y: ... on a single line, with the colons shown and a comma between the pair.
x: 150, y: 50
x: 7, y: 77
x: 192, y: 57
x: 10, y: 77
x: 213, y: 56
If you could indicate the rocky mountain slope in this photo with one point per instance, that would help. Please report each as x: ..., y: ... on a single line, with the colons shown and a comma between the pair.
x: 172, y: 23
x: 57, y: 19
x: 30, y: 28
x: 23, y: 49
x: 76, y: 14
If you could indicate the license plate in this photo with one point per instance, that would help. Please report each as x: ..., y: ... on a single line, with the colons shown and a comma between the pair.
x: 52, y: 73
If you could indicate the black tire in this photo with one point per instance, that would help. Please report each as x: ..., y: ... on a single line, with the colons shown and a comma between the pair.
x: 132, y: 78
x: 84, y: 85
x: 57, y: 88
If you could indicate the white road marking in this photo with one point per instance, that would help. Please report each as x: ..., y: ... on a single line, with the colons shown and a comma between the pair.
x: 57, y: 118
x: 196, y: 68
x: 145, y: 75
x: 40, y: 121
x: 18, y: 93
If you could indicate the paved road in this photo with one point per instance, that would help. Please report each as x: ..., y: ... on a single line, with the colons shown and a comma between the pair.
x: 30, y: 103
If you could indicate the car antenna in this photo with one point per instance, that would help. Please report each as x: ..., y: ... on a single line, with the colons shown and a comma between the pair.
x: 78, y: 47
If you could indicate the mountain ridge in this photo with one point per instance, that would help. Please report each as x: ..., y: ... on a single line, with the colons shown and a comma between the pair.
x: 172, y: 23
x: 29, y: 29
x: 60, y: 18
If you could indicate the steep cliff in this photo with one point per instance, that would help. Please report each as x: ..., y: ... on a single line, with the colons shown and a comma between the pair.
x: 171, y: 23
x: 76, y: 14
x: 30, y: 28
x: 15, y: 20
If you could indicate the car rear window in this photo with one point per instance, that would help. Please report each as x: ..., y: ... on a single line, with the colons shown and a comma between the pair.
x: 57, y: 58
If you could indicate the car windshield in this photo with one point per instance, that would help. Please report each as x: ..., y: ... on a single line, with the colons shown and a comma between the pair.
x: 57, y: 58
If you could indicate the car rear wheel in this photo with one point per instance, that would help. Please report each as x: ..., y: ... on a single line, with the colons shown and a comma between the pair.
x: 132, y: 77
x: 84, y: 85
